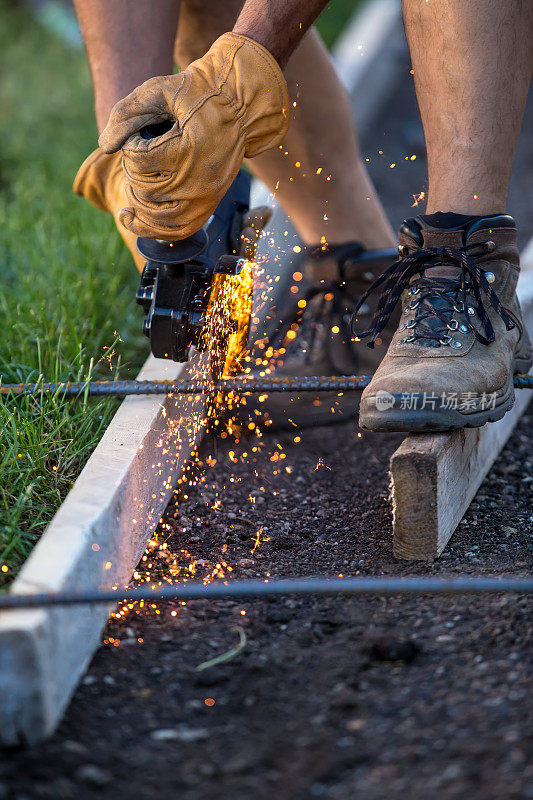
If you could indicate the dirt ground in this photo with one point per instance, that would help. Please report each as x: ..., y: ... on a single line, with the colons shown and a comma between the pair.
x: 329, y: 698
x: 335, y: 698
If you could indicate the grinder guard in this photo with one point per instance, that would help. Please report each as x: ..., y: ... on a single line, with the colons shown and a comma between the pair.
x: 198, y: 291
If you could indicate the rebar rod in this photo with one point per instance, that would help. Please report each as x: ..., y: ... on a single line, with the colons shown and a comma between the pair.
x: 241, y: 385
x: 349, y: 586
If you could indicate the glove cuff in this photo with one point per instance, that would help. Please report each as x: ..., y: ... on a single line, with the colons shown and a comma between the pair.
x: 100, y: 181
x: 94, y: 177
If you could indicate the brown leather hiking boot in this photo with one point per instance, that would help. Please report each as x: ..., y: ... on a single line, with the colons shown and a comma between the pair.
x: 315, y: 337
x: 451, y: 361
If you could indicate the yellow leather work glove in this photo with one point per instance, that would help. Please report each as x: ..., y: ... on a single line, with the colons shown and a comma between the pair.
x: 230, y: 104
x: 101, y: 181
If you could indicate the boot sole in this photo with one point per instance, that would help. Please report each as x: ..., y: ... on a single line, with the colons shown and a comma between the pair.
x: 427, y: 420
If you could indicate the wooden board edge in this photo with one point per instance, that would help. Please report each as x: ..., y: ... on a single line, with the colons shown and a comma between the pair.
x: 417, y: 532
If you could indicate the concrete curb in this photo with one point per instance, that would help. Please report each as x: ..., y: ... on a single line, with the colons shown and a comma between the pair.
x: 94, y: 541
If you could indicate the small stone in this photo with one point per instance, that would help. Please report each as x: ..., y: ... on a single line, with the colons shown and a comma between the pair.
x: 164, y: 735
x: 72, y: 747
x: 144, y: 693
x: 356, y: 724
x: 90, y: 773
x: 179, y: 734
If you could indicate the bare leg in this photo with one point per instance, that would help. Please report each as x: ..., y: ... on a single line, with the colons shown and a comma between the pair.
x: 322, y: 137
x: 472, y: 66
x: 317, y: 174
x: 127, y: 43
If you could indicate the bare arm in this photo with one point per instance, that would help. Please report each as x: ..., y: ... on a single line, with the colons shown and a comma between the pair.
x: 196, y: 160
x: 278, y: 25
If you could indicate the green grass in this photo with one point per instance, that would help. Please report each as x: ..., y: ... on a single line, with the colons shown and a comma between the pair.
x: 68, y: 283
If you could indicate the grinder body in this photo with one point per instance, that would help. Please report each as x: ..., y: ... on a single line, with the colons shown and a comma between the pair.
x: 179, y: 278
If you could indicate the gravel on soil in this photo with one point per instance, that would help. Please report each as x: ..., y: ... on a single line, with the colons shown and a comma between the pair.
x: 382, y: 697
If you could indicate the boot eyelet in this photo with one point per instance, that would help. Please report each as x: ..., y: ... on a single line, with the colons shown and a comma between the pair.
x: 459, y: 308
x: 414, y: 305
x: 471, y: 311
x: 452, y: 325
x: 457, y: 345
x: 411, y: 323
x: 416, y: 290
x: 490, y: 276
x: 446, y: 340
x: 491, y: 247
x: 463, y: 328
x: 409, y: 339
x: 403, y: 326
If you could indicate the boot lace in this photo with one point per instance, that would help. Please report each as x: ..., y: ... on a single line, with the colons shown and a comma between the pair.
x: 437, y: 297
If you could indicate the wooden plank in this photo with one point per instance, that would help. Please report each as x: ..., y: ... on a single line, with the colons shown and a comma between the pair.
x: 435, y: 477
x: 94, y: 541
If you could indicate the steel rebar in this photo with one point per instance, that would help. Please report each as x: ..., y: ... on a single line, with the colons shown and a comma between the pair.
x: 241, y: 385
x: 292, y: 586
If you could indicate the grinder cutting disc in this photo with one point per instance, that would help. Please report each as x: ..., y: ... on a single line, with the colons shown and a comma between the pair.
x: 228, y: 321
